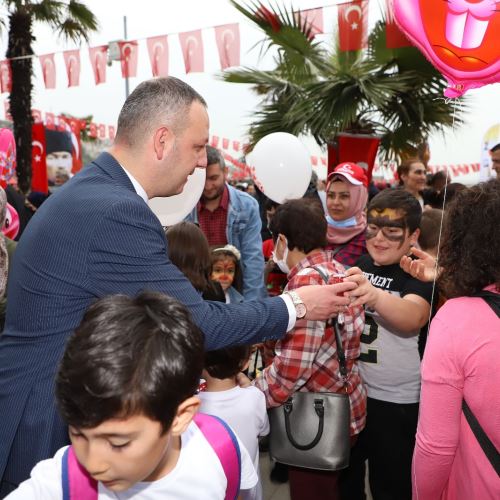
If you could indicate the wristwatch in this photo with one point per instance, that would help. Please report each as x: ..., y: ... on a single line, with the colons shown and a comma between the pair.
x: 300, y: 307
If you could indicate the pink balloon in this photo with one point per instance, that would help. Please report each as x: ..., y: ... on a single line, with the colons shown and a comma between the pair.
x: 459, y: 37
x: 11, y: 224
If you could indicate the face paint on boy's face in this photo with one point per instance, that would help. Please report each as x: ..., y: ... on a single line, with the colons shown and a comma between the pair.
x: 388, y: 221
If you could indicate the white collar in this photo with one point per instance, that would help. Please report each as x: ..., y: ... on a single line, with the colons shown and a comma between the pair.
x: 138, y: 188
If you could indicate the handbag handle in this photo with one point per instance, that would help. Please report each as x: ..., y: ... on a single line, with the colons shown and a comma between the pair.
x: 320, y: 411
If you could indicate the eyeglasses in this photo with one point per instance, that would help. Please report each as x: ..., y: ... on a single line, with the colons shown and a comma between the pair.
x: 390, y: 232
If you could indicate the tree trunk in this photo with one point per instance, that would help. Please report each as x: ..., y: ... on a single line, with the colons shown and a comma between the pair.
x: 20, y: 40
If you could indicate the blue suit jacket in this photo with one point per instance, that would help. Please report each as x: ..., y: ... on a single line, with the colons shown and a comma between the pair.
x: 96, y: 236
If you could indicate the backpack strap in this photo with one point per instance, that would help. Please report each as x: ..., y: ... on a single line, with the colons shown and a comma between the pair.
x: 225, y: 444
x: 76, y: 481
x: 484, y: 441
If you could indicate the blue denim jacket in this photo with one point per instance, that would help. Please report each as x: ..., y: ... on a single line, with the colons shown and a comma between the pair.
x: 243, y: 231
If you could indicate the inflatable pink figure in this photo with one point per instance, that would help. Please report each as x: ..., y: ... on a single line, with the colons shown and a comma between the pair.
x: 7, y: 155
x: 460, y: 37
x: 11, y: 225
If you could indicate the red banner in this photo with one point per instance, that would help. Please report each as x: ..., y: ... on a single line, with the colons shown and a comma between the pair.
x: 215, y: 141
x: 5, y: 76
x: 39, y: 180
x: 111, y: 132
x: 36, y: 114
x: 394, y: 37
x: 48, y: 70
x: 228, y: 45
x: 129, y: 54
x: 101, y: 129
x: 192, y: 51
x: 158, y: 55
x: 50, y: 121
x: 93, y: 130
x: 75, y: 126
x: 72, y: 61
x: 225, y: 143
x: 98, y: 59
x: 353, y: 25
x: 236, y: 145
x: 312, y: 18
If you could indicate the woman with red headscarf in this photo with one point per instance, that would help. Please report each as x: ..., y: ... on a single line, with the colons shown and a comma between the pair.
x: 346, y: 198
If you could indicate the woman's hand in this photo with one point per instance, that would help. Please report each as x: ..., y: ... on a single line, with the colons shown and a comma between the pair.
x: 423, y: 268
x: 365, y: 293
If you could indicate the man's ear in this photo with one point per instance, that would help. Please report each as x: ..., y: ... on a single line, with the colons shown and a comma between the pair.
x: 225, y: 172
x: 163, y: 142
x: 184, y: 415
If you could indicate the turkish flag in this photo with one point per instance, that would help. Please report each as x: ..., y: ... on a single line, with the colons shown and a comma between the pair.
x: 75, y: 126
x: 50, y: 121
x: 72, y: 61
x: 314, y: 160
x: 39, y: 180
x: 101, y: 131
x: 98, y: 59
x: 313, y: 19
x: 111, y: 132
x: 128, y: 56
x: 5, y: 76
x: 236, y: 145
x: 356, y: 148
x: 215, y: 141
x: 353, y: 25
x: 93, y: 130
x: 158, y: 55
x: 228, y: 44
x: 36, y: 114
x: 394, y: 37
x: 192, y: 51
x: 225, y: 143
x: 48, y: 70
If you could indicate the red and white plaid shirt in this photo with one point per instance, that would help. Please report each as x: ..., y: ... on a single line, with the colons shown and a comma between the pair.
x: 306, y: 358
x: 214, y: 224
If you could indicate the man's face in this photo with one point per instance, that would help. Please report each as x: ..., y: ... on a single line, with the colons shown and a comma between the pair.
x: 59, y: 164
x: 214, y: 184
x: 188, y: 151
x: 495, y: 162
x: 122, y: 452
x: 387, y: 237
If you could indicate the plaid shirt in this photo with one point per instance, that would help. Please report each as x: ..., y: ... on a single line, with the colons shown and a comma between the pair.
x: 213, y: 224
x: 348, y: 253
x: 306, y: 357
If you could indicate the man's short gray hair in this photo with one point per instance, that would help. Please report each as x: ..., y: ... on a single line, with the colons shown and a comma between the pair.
x: 215, y: 156
x: 154, y: 102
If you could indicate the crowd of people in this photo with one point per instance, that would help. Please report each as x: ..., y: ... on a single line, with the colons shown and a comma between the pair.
x: 126, y: 351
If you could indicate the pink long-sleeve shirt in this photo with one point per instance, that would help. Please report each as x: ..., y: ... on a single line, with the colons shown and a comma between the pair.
x: 462, y: 359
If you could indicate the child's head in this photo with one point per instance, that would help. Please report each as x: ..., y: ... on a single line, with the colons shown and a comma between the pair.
x: 228, y: 362
x: 429, y: 230
x: 125, y: 385
x: 226, y: 267
x: 393, y: 222
x: 188, y: 249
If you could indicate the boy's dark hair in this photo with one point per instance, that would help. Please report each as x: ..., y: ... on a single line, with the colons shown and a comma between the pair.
x: 188, y: 249
x: 302, y: 222
x: 130, y: 356
x: 429, y: 229
x: 495, y: 148
x: 227, y: 362
x: 399, y: 199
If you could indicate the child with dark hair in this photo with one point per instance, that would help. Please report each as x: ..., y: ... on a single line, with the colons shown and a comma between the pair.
x: 244, y: 409
x: 226, y: 270
x: 126, y: 387
x: 397, y: 307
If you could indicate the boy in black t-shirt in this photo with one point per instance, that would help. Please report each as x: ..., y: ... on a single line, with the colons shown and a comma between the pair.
x: 397, y: 307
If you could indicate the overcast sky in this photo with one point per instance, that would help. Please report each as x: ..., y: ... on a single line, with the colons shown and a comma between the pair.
x: 230, y: 106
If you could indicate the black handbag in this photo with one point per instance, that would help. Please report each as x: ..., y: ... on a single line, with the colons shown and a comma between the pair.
x: 312, y: 429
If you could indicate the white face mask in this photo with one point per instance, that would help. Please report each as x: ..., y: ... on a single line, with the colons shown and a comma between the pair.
x: 281, y: 263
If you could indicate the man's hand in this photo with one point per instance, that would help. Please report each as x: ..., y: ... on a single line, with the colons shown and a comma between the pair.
x: 324, y: 301
x: 365, y: 292
x: 423, y: 268
x: 243, y: 380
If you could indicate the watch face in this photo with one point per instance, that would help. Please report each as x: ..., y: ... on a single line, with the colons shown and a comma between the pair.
x: 300, y: 309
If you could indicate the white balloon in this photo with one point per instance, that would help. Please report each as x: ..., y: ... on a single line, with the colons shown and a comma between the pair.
x: 281, y: 166
x: 173, y: 209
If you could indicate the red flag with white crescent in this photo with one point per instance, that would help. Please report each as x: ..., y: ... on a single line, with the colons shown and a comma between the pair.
x: 128, y: 56
x: 158, y: 55
x: 353, y: 25
x: 111, y: 132
x: 50, y: 121
x: 312, y: 18
x: 225, y: 143
x: 5, y: 76
x: 48, y: 70
x: 228, y: 44
x: 215, y: 141
x: 98, y: 60
x: 192, y: 51
x: 101, y: 128
x: 93, y: 130
x: 36, y: 114
x: 72, y: 61
x: 75, y: 126
x: 39, y: 181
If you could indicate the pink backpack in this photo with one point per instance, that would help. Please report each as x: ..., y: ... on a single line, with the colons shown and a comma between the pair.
x: 78, y: 485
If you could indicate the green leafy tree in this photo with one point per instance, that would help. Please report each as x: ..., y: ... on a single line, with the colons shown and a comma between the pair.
x: 393, y: 93
x: 71, y: 20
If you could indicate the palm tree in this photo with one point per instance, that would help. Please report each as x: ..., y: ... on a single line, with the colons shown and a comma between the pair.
x: 70, y: 19
x: 393, y: 93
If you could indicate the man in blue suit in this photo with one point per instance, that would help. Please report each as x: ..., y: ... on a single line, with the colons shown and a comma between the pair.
x: 97, y: 236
